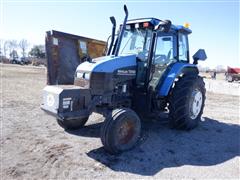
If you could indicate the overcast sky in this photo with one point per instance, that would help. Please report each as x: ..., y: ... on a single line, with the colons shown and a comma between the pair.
x: 215, y: 24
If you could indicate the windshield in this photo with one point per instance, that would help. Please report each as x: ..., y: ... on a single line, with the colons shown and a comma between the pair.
x: 136, y: 41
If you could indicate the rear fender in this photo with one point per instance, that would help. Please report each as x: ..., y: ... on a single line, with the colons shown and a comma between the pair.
x: 175, y: 71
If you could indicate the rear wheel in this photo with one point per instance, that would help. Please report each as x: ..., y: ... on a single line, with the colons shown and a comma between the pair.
x: 186, y: 102
x: 72, y: 124
x: 120, y: 131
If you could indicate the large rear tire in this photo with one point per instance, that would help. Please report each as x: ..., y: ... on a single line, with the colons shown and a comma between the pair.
x: 186, y: 102
x: 72, y: 124
x: 120, y: 131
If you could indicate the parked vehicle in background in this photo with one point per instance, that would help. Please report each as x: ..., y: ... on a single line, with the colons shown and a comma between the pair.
x: 232, y: 74
x: 25, y: 60
x: 15, y: 60
x: 18, y: 60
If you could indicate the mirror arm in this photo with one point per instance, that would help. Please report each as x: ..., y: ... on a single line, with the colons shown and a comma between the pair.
x: 195, y: 61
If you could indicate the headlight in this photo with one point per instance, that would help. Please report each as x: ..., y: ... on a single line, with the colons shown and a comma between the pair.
x: 86, y: 76
x: 79, y: 74
x: 50, y: 100
x: 82, y: 79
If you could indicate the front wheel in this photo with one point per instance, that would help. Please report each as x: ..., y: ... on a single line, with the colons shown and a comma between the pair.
x: 120, y: 131
x: 72, y: 124
x: 186, y: 102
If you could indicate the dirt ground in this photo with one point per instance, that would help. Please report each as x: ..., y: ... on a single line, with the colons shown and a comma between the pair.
x: 33, y: 146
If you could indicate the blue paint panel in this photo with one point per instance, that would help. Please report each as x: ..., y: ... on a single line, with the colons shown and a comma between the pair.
x: 110, y: 65
x: 174, y: 72
x: 107, y: 63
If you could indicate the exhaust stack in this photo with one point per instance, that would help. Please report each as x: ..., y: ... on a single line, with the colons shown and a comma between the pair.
x: 113, y: 20
x: 122, y: 31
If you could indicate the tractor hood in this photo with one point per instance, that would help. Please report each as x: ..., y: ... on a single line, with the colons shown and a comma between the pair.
x: 103, y: 74
x: 107, y: 64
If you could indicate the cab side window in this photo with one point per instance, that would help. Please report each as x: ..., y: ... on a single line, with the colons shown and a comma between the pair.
x: 183, y: 47
x: 163, y: 50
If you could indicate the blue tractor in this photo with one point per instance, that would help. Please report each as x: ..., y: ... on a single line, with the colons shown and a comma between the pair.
x: 147, y: 70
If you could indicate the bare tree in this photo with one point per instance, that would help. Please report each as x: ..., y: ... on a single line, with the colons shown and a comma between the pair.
x: 5, y: 48
x: 14, y: 54
x: 13, y: 45
x: 23, y: 44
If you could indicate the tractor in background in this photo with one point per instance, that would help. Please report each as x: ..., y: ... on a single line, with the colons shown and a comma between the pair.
x: 232, y: 74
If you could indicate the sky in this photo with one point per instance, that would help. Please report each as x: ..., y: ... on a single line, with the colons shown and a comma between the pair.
x: 215, y: 24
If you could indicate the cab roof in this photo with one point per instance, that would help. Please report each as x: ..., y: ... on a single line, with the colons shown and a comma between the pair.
x: 155, y: 22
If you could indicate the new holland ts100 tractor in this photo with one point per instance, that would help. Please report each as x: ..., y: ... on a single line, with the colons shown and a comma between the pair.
x: 147, y: 70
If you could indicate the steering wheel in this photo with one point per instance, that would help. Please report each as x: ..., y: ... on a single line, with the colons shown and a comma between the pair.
x: 160, y: 59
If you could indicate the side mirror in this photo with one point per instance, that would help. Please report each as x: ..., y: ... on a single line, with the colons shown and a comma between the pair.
x: 199, y: 55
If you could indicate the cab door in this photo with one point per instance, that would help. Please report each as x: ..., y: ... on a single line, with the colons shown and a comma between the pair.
x: 165, y: 53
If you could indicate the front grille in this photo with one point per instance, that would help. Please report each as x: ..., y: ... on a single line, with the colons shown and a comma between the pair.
x: 98, y: 81
x: 101, y: 83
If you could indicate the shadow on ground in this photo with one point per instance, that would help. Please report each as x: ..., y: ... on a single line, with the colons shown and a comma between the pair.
x: 92, y: 130
x: 211, y: 143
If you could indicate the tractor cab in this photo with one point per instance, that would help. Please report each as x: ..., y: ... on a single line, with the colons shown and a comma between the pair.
x: 156, y: 44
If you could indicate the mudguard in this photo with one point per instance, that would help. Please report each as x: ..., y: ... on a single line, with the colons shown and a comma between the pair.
x: 176, y: 70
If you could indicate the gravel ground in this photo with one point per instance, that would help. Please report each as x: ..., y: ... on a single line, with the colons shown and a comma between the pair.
x: 33, y: 146
x: 222, y: 87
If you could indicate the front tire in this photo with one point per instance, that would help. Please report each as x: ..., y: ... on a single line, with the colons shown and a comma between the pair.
x: 120, y: 131
x: 186, y: 102
x: 229, y: 78
x: 72, y: 124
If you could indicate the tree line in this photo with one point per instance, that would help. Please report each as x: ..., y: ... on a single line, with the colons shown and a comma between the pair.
x: 11, y: 48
